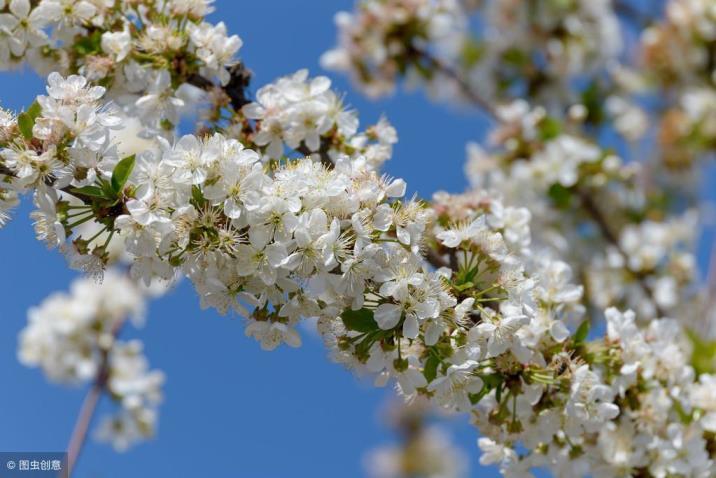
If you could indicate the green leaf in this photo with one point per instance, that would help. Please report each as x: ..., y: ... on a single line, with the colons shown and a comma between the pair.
x: 88, y: 44
x: 593, y: 100
x: 106, y: 186
x: 431, y: 368
x: 197, y: 196
x: 465, y: 286
x: 92, y: 191
x: 560, y: 196
x: 703, y: 356
x: 476, y: 397
x: 25, y: 122
x: 472, y: 52
x: 359, y: 320
x: 549, y: 128
x: 515, y: 57
x: 582, y: 331
x: 121, y: 173
x: 34, y: 110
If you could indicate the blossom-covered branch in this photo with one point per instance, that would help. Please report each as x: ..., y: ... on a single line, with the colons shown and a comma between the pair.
x: 276, y: 210
x: 74, y: 338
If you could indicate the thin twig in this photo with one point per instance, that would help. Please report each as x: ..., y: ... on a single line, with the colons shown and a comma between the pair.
x: 89, y: 406
x: 591, y: 208
x: 79, y: 434
x: 464, y: 86
x: 322, y: 152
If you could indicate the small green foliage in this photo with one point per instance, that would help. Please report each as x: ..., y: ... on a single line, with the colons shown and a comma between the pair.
x: 92, y: 191
x: 472, y: 52
x: 26, y: 119
x: 560, y: 196
x: 592, y: 99
x: 121, y: 173
x: 582, y: 332
x: 34, y: 110
x: 431, y: 368
x: 549, y: 128
x: 359, y: 320
x: 489, y: 382
x: 515, y: 57
x: 197, y: 197
x: 89, y: 44
x: 703, y: 357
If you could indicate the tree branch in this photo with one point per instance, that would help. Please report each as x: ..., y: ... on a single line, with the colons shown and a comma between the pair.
x: 89, y: 406
x: 464, y: 86
x: 79, y: 434
x: 591, y: 208
x: 235, y: 89
x: 322, y: 151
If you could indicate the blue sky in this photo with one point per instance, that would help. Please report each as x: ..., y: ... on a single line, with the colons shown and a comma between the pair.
x: 231, y: 410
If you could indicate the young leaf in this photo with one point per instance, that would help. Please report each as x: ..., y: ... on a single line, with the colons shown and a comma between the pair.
x: 560, y: 196
x: 431, y: 368
x: 359, y: 320
x: 34, y: 110
x: 121, y: 173
x: 25, y: 122
x: 92, y: 191
x: 549, y: 128
x: 581, y: 335
x: 703, y: 356
x: 198, y: 197
x: 89, y: 44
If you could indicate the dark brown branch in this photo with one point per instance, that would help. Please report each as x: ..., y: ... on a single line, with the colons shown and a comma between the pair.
x: 235, y: 89
x: 322, y: 152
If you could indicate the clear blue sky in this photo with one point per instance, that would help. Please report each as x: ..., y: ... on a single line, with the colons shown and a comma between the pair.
x: 230, y: 409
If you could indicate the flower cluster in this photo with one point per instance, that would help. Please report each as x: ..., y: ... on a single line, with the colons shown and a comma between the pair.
x: 386, y: 39
x: 569, y: 183
x: 303, y: 114
x: 677, y: 52
x: 266, y: 233
x: 676, y: 49
x: 660, y: 427
x: 540, y: 46
x: 61, y: 145
x: 73, y: 338
x: 148, y: 53
x: 524, y: 46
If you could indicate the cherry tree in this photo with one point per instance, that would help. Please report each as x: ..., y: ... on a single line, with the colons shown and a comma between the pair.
x: 556, y: 304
